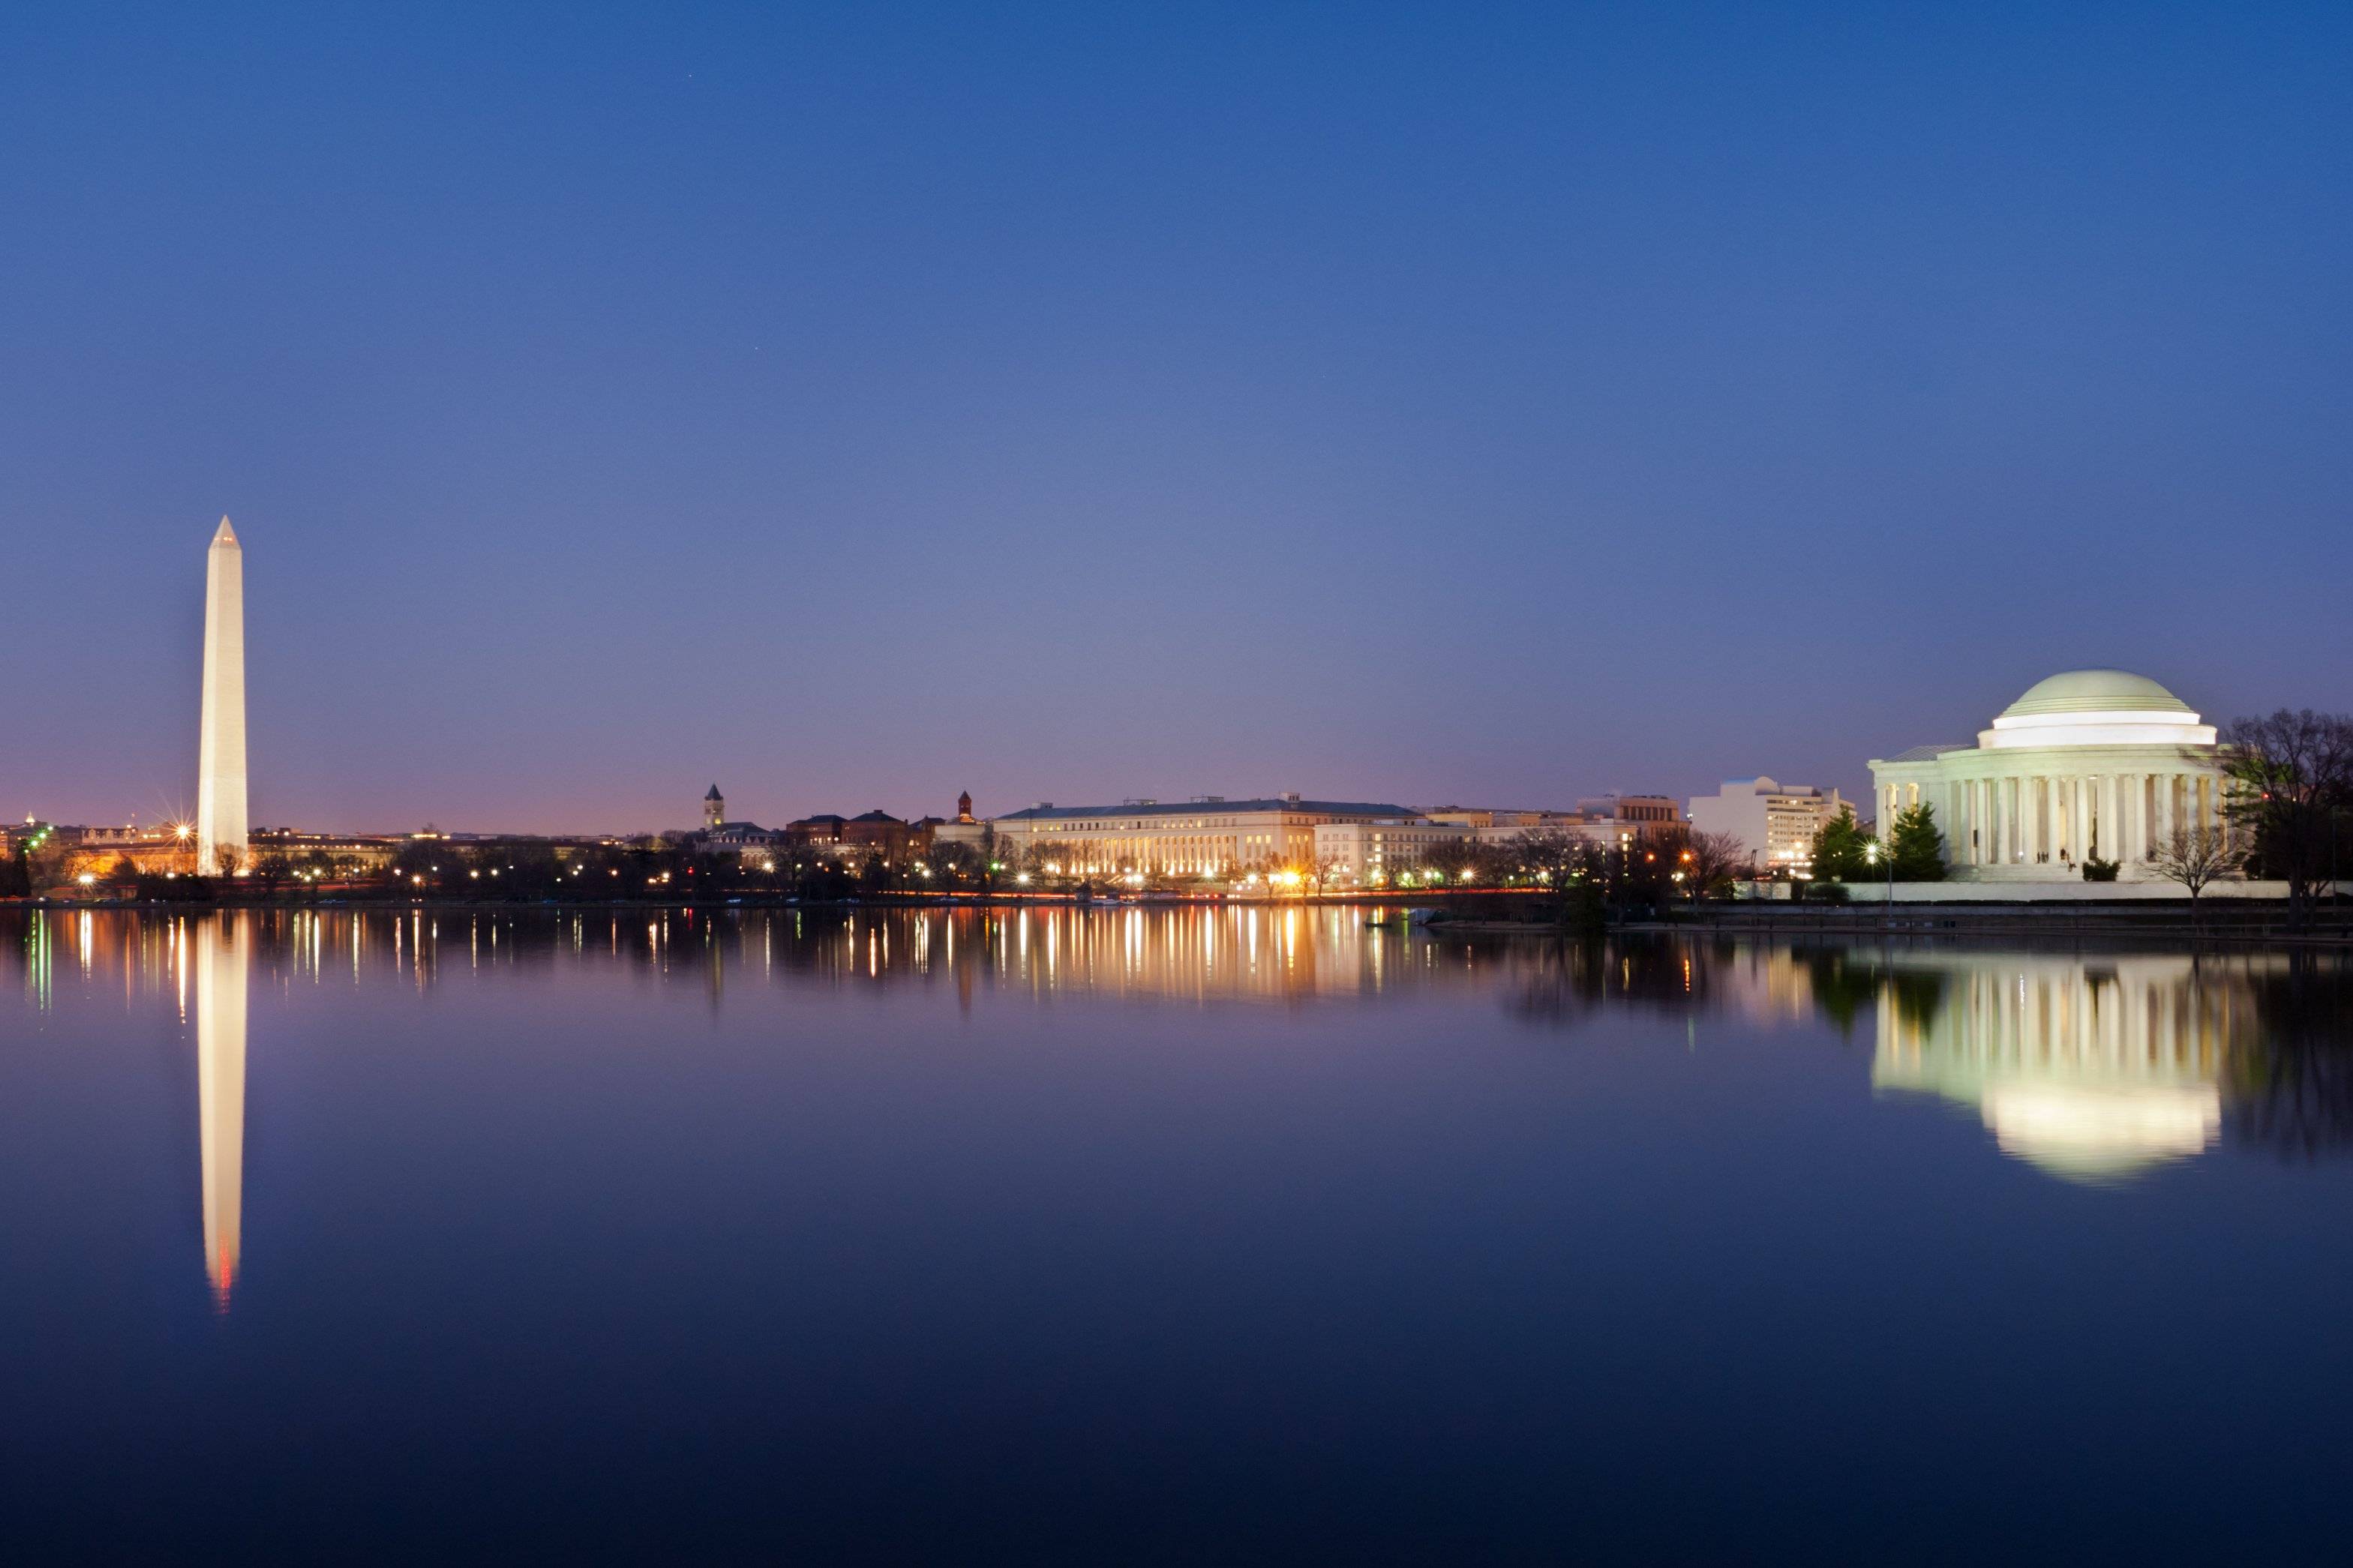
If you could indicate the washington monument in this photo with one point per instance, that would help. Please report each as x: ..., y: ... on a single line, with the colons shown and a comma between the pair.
x: 220, y: 743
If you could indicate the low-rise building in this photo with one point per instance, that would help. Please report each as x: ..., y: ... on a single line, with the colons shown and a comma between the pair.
x: 1209, y: 837
x: 1647, y: 815
x: 834, y: 837
x: 354, y: 854
x: 1608, y: 822
x: 720, y: 835
x: 737, y: 837
x: 1775, y: 822
x: 965, y: 828
x: 1385, y: 847
x: 1487, y: 818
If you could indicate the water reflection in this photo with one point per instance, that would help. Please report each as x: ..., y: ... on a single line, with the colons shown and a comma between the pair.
x: 223, y: 960
x: 2293, y: 1096
x: 2093, y: 1068
x: 2089, y: 1066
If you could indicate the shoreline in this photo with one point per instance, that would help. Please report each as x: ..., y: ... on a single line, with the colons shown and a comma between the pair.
x: 2236, y: 923
x: 874, y: 900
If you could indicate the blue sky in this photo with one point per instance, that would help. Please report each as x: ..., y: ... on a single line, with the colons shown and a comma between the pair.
x: 858, y: 403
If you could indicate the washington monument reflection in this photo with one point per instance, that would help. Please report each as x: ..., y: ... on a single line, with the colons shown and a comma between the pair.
x: 222, y: 957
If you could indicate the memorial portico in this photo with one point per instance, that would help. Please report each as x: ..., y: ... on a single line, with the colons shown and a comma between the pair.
x: 2091, y: 762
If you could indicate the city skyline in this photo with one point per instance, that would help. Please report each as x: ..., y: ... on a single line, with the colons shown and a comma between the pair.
x: 856, y: 413
x: 218, y: 823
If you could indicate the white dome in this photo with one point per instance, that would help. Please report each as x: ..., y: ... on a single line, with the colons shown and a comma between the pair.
x: 2096, y: 691
x: 2097, y: 708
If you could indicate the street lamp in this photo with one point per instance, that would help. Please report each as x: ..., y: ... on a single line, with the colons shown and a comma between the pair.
x: 1871, y: 852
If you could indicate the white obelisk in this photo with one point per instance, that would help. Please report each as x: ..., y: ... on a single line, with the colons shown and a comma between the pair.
x: 220, y: 743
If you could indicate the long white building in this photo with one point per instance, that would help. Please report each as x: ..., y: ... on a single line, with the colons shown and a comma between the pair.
x: 1205, y: 837
x: 1376, y: 850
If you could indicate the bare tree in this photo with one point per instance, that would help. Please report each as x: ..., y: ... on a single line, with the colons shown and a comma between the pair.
x: 954, y: 863
x: 1488, y: 865
x: 1713, y: 861
x: 2194, y: 855
x: 1550, y: 855
x: 2290, y: 778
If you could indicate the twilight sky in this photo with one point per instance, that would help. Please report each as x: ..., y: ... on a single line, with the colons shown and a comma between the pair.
x: 853, y: 403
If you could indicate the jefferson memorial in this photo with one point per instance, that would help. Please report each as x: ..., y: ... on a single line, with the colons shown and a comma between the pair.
x: 2091, y: 762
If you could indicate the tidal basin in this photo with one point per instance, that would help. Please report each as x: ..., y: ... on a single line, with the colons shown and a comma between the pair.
x: 1147, y: 1234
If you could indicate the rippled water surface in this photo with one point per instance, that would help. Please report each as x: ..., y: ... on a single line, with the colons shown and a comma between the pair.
x: 1190, y: 1234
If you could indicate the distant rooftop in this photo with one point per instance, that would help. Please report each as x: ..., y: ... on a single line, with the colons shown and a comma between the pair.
x: 1196, y: 809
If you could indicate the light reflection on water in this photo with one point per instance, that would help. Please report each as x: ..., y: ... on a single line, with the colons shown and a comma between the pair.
x: 2093, y: 1070
x: 223, y: 963
x: 2090, y: 1068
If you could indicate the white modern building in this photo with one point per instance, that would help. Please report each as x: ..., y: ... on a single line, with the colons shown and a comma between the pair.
x: 2092, y: 762
x: 1775, y: 822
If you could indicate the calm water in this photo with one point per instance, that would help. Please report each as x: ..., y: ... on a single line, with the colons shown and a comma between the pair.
x: 1192, y: 1235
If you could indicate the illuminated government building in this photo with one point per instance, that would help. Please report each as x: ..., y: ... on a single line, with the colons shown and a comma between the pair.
x: 1361, y: 840
x: 1205, y: 838
x: 2091, y: 762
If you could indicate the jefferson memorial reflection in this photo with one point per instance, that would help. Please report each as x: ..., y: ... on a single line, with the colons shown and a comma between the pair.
x: 2092, y: 1068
